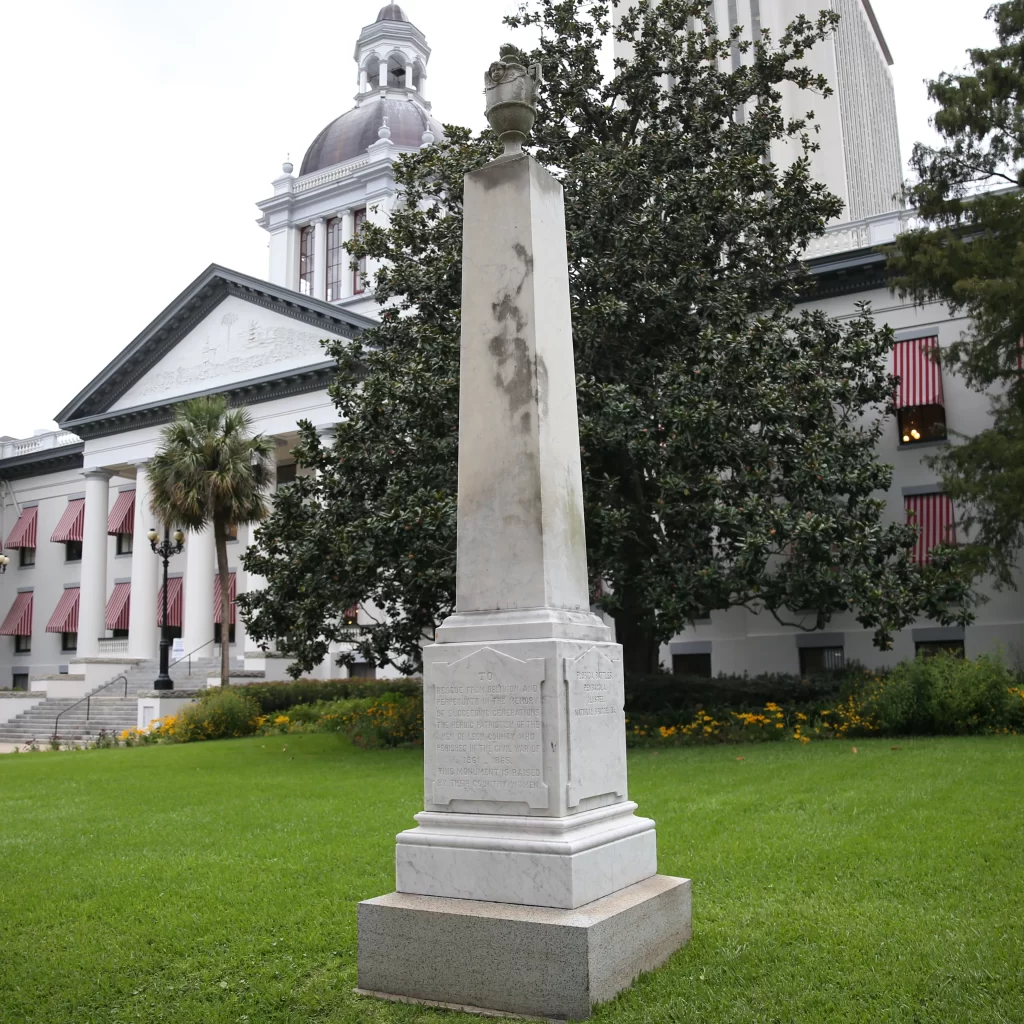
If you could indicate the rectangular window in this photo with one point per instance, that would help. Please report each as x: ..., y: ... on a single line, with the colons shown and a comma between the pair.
x: 232, y: 531
x: 692, y: 665
x: 119, y: 633
x: 216, y: 633
x: 286, y: 473
x: 73, y: 551
x: 335, y: 259
x: 20, y: 681
x: 125, y: 541
x: 306, y: 256
x: 351, y: 616
x: 929, y: 648
x: 22, y: 644
x: 26, y: 557
x: 922, y: 423
x: 358, y: 284
x: 362, y: 670
x: 69, y: 641
x: 819, y: 660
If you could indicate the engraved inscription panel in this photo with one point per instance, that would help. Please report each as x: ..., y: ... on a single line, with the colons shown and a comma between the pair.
x: 487, y: 730
x: 596, y: 726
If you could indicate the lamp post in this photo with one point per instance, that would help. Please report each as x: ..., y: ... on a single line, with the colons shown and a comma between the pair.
x: 4, y: 562
x: 164, y: 549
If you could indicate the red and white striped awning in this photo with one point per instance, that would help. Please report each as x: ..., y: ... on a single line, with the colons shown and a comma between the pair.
x: 116, y: 615
x: 70, y: 527
x: 65, y: 616
x: 24, y: 534
x: 174, y: 591
x: 932, y: 514
x: 231, y: 597
x: 122, y: 515
x: 916, y: 363
x: 19, y: 618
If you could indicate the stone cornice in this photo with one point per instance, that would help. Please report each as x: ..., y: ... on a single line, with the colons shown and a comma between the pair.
x: 260, y: 389
x: 845, y: 274
x: 49, y: 460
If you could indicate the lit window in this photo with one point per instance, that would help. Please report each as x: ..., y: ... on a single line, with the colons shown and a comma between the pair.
x: 358, y: 284
x: 335, y: 260
x: 818, y: 660
x: 692, y: 665
x: 922, y: 423
x: 306, y: 252
x: 231, y: 532
x: 351, y: 616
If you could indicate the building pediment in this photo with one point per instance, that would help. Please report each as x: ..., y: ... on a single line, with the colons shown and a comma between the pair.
x: 225, y: 333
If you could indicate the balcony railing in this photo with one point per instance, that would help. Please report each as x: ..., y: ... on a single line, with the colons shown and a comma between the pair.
x: 41, y: 442
x: 113, y: 645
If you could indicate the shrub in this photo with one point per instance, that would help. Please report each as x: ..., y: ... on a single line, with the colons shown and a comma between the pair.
x: 945, y: 694
x: 275, y: 697
x: 218, y: 714
x: 392, y: 720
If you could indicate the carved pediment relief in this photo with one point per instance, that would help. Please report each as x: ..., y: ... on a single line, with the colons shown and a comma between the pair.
x: 237, y: 341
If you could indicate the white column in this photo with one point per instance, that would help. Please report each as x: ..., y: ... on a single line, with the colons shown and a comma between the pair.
x: 241, y: 639
x: 347, y: 221
x: 143, y: 632
x: 408, y: 74
x: 319, y: 258
x: 382, y: 75
x: 423, y: 85
x: 92, y: 599
x: 200, y: 567
x: 364, y: 81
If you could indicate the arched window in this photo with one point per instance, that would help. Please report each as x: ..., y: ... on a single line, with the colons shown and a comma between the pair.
x: 372, y: 72
x: 358, y: 284
x: 306, y: 252
x: 335, y: 260
x: 396, y: 71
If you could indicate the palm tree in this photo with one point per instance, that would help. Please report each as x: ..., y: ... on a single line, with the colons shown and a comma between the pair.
x: 211, y: 470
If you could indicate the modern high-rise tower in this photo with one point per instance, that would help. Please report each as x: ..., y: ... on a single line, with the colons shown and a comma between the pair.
x: 859, y: 155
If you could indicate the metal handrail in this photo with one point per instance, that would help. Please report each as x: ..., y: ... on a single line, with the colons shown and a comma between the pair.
x: 212, y: 640
x: 88, y: 699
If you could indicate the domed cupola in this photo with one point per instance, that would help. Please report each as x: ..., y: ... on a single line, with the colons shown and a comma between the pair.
x: 392, y: 56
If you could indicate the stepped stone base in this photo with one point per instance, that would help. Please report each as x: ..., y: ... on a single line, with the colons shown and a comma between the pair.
x: 534, y: 961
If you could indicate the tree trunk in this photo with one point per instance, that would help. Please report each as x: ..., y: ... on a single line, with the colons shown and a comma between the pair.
x: 220, y: 537
x: 639, y: 645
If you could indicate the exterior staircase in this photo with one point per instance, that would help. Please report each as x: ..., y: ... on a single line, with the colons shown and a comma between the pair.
x: 111, y: 708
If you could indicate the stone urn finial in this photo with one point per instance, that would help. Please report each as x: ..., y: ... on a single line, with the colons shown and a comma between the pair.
x: 510, y: 89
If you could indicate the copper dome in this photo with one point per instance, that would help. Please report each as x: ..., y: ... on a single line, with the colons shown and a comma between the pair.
x: 354, y: 132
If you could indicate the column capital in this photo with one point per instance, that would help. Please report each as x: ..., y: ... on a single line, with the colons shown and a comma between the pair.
x: 317, y: 221
x: 325, y: 430
x: 97, y: 474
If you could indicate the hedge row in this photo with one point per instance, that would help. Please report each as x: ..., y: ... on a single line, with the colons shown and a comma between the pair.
x: 281, y: 696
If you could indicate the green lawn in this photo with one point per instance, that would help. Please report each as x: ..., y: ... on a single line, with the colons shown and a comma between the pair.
x: 217, y: 882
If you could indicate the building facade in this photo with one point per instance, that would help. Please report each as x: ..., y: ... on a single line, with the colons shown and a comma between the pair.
x: 82, y: 586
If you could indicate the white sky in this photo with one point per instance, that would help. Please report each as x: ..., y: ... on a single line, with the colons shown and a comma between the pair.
x: 136, y: 135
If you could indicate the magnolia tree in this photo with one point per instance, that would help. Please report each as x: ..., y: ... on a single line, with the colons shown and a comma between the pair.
x: 727, y: 440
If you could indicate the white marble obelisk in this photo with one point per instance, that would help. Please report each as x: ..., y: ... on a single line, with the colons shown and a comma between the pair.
x: 525, y: 799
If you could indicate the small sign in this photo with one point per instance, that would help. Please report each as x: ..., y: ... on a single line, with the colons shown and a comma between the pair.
x: 178, y: 648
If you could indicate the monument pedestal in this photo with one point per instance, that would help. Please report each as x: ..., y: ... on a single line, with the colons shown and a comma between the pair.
x: 535, y: 961
x: 529, y: 885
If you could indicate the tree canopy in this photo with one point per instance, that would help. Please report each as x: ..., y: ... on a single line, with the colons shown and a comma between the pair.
x: 211, y: 471
x: 969, y: 254
x: 727, y: 439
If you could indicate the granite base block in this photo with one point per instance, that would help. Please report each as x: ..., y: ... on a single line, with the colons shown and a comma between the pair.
x: 535, y: 961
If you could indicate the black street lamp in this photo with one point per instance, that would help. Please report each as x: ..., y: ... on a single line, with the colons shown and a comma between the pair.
x: 4, y: 561
x: 164, y: 549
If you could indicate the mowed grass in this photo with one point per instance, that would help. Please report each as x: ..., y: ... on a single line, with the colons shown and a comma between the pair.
x: 218, y: 882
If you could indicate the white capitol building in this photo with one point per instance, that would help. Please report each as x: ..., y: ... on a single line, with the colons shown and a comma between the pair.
x: 79, y: 599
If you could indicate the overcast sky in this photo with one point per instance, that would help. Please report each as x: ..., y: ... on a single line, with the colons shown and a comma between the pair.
x: 136, y: 135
